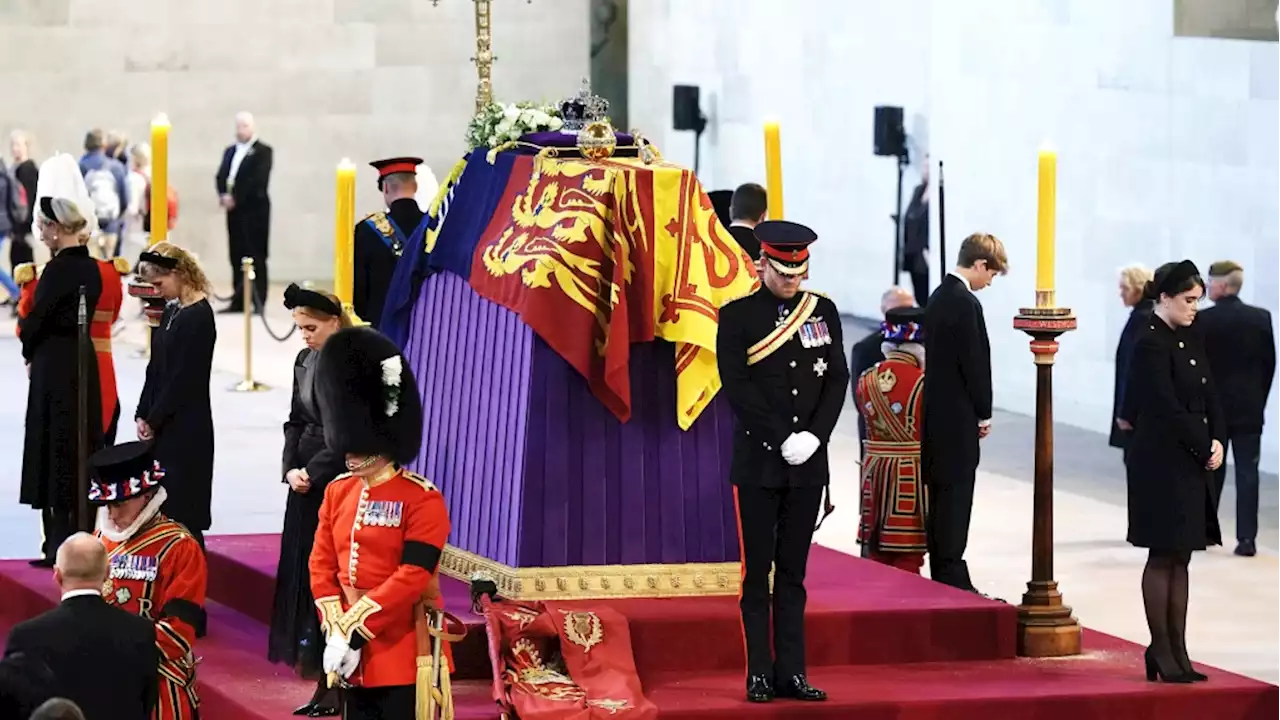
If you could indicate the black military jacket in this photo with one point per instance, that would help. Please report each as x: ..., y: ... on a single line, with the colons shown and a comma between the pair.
x: 799, y: 387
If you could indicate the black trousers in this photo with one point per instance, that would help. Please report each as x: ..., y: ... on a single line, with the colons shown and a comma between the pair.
x: 247, y: 236
x: 916, y: 264
x: 775, y: 527
x: 394, y: 702
x: 57, y: 525
x: 1246, y: 451
x: 947, y: 525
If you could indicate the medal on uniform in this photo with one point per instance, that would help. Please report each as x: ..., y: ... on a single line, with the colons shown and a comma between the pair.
x: 824, y: 335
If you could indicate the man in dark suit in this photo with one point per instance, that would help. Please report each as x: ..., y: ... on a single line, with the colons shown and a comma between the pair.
x: 102, y: 658
x: 381, y: 237
x: 915, y: 236
x: 242, y: 184
x: 747, y: 209
x: 781, y: 359
x: 866, y: 352
x: 957, y: 402
x: 1242, y: 355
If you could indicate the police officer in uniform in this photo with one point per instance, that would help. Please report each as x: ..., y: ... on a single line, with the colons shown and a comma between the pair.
x: 382, y: 236
x: 781, y: 358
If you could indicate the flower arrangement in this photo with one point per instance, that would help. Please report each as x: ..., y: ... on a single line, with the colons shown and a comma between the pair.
x: 500, y: 123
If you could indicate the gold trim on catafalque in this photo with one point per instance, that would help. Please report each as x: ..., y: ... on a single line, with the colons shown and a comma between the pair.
x: 585, y: 582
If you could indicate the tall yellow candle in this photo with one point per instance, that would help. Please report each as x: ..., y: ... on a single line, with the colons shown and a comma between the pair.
x: 1045, y: 226
x: 159, y: 179
x: 773, y: 168
x: 344, y: 221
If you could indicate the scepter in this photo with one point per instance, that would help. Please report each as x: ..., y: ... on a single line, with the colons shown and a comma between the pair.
x: 84, y: 351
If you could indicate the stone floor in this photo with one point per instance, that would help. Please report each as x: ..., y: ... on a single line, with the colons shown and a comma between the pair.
x: 1233, y: 620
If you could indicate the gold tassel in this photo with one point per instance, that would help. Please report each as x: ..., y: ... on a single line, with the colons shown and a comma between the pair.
x: 432, y: 703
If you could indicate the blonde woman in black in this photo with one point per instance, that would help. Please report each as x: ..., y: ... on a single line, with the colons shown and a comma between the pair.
x: 308, y: 466
x: 174, y: 410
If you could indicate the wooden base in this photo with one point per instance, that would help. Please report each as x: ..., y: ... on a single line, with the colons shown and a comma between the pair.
x: 1046, y: 627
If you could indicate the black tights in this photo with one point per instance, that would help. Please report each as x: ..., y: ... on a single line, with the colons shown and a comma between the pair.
x: 1164, y: 595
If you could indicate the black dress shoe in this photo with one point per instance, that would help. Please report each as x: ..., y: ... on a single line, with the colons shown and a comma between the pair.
x: 759, y: 689
x: 304, y: 710
x: 1246, y: 548
x: 323, y: 711
x: 797, y: 687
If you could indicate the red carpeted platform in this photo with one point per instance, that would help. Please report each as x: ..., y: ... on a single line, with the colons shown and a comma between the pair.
x: 884, y: 644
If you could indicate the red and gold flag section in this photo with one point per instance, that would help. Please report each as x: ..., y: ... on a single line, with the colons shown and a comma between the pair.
x: 595, y: 256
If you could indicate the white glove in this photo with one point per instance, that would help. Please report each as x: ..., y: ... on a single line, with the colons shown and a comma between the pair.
x: 799, y: 447
x: 349, y: 663
x: 335, y: 653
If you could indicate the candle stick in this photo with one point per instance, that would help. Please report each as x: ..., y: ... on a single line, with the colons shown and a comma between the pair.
x: 1045, y: 227
x: 773, y: 168
x: 159, y: 179
x: 344, y: 231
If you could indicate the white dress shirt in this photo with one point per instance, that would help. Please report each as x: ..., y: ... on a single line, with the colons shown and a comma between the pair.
x: 237, y: 157
x: 77, y: 593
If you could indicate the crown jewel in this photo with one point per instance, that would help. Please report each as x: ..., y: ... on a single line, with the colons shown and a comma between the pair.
x: 582, y: 108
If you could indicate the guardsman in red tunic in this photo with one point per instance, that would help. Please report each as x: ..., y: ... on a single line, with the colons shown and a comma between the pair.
x: 104, y: 317
x: 382, y: 531
x: 157, y: 567
x: 889, y: 394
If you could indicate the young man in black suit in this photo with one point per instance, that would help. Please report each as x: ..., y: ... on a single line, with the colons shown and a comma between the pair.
x: 102, y: 658
x: 1242, y: 354
x: 242, y: 182
x: 748, y: 209
x: 957, y: 402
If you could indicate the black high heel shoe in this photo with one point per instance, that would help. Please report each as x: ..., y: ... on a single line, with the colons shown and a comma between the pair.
x: 1154, y: 672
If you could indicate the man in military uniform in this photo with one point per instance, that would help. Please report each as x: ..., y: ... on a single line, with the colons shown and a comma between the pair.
x: 157, y: 568
x: 382, y: 236
x: 781, y: 358
x: 381, y: 533
x: 889, y: 396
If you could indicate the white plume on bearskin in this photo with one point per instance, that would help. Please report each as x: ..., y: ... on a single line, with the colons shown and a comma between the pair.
x: 368, y: 397
x: 60, y: 178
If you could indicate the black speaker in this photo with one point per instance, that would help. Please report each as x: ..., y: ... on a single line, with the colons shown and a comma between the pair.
x: 891, y: 138
x: 686, y: 112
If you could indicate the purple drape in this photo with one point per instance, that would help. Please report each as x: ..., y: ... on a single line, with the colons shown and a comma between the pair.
x: 536, y: 472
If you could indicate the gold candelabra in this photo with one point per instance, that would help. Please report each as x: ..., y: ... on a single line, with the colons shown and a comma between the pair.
x: 484, y: 57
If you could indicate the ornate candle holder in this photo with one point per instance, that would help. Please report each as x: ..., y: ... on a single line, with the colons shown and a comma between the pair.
x: 1046, y: 627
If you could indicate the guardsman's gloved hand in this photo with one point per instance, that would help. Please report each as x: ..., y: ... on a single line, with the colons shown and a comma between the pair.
x: 799, y: 447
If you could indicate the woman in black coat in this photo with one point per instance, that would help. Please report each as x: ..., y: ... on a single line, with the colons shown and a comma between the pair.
x: 1133, y: 286
x: 295, y: 638
x: 174, y: 409
x: 1176, y: 444
x: 50, y: 344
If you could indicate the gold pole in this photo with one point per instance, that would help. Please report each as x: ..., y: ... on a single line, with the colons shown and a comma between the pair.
x: 484, y: 55
x: 248, y: 384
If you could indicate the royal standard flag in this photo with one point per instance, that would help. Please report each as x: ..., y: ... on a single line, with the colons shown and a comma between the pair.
x: 595, y: 256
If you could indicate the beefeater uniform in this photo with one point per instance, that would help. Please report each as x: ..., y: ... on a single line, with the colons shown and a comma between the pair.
x: 784, y: 372
x: 104, y: 317
x: 380, y: 239
x: 157, y: 570
x: 380, y: 537
x: 890, y: 396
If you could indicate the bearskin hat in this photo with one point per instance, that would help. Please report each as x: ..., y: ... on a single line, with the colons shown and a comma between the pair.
x: 369, y: 402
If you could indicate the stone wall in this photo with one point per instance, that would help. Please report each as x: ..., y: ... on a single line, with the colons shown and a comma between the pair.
x: 325, y: 79
x: 1167, y: 145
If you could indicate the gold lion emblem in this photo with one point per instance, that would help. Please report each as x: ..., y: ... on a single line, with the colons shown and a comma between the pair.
x: 583, y: 629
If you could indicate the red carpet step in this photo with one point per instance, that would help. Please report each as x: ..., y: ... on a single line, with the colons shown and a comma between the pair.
x: 884, y: 644
x: 858, y: 613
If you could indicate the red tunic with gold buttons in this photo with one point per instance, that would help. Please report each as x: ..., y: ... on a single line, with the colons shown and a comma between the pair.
x: 374, y: 561
x: 104, y: 317
x: 159, y: 573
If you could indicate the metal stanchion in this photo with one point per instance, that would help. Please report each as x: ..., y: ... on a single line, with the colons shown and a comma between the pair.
x: 248, y: 384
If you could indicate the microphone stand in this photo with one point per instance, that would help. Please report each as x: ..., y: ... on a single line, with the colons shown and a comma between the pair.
x: 942, y: 222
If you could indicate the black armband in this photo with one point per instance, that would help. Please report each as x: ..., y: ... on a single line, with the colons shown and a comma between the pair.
x: 421, y: 554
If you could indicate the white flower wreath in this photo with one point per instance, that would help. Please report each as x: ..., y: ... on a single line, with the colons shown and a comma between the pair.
x: 391, y: 369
